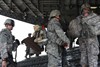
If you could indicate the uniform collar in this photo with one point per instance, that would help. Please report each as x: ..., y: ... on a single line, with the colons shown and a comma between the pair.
x: 6, y: 30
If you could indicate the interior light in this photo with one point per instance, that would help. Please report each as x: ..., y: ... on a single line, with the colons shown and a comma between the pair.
x: 93, y: 7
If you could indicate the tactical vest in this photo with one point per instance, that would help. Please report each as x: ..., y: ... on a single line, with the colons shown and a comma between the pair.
x: 87, y: 31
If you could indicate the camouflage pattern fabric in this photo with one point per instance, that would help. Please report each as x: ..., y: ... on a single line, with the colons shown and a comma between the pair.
x: 6, y: 43
x: 56, y: 38
x: 87, y: 31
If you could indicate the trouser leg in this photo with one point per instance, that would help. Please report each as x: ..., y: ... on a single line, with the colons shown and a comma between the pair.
x: 93, y: 56
x: 54, y: 61
x: 83, y: 60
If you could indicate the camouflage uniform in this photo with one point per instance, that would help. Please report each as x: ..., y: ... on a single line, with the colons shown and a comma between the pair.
x: 6, y: 42
x: 56, y: 38
x: 87, y: 29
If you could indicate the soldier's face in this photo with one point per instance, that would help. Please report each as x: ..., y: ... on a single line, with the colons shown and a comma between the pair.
x: 36, y: 28
x: 58, y: 17
x: 10, y: 27
x: 86, y: 11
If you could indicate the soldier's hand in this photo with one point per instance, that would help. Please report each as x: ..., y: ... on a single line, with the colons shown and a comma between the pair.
x: 4, y: 64
x: 66, y: 46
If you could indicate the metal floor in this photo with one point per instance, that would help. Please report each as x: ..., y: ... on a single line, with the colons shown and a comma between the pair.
x: 70, y: 58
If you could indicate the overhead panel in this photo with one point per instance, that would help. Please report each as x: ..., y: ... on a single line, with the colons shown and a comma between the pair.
x: 67, y: 2
x: 3, y: 5
x: 12, y: 6
x: 32, y: 7
x: 19, y: 4
x: 35, y: 3
x: 15, y: 8
x: 93, y: 2
x: 37, y: 8
x: 98, y: 1
x: 47, y: 5
x: 80, y: 2
x: 73, y: 2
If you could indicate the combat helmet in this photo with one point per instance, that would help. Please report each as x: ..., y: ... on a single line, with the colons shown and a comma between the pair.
x: 9, y: 21
x: 54, y: 13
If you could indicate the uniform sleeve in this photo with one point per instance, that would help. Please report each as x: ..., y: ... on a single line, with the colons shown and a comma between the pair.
x: 96, y: 25
x: 97, y: 28
x: 3, y: 45
x: 61, y: 34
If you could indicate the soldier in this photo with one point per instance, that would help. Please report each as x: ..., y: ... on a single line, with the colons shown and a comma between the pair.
x: 40, y: 35
x: 29, y: 51
x: 86, y: 28
x: 37, y: 34
x: 56, y: 40
x: 6, y: 42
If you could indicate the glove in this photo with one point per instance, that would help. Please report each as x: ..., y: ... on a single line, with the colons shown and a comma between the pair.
x: 66, y: 46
